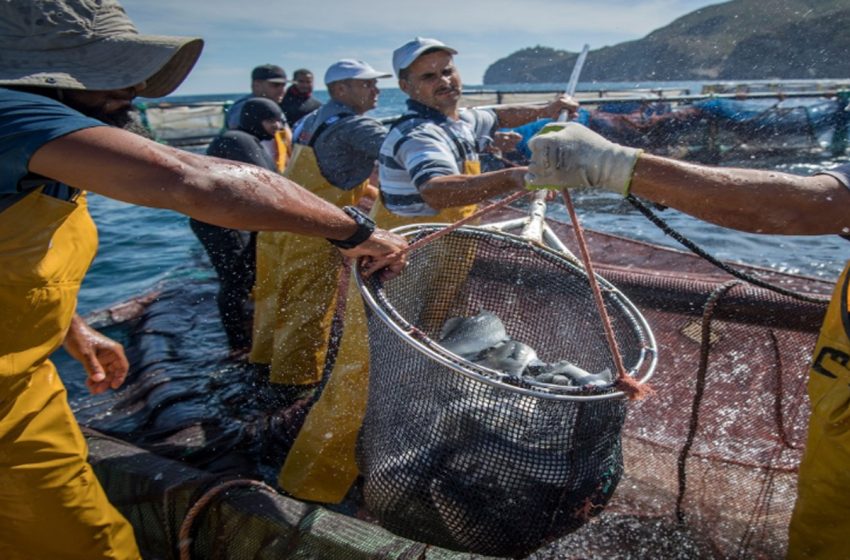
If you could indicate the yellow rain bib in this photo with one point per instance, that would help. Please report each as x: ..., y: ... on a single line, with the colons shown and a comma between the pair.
x: 282, y: 142
x: 296, y: 288
x: 321, y: 464
x: 820, y: 524
x: 51, y: 504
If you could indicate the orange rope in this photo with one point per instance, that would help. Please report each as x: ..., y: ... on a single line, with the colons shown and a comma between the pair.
x: 450, y: 228
x: 625, y: 382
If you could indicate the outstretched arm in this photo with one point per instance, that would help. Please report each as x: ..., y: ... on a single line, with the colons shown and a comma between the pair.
x: 127, y: 167
x: 752, y: 200
x: 459, y: 190
x: 758, y: 201
x: 517, y: 115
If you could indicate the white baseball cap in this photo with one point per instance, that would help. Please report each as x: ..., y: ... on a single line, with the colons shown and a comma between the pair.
x: 350, y: 69
x: 410, y: 51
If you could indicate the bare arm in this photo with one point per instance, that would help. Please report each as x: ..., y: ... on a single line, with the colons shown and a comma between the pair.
x: 517, y: 115
x: 127, y: 167
x: 459, y: 190
x: 750, y: 200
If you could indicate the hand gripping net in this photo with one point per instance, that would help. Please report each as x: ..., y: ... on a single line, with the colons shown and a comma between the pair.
x: 464, y: 457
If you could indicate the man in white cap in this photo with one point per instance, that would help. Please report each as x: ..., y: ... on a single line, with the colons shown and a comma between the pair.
x: 429, y: 172
x: 67, y: 67
x: 336, y: 150
x: 429, y: 166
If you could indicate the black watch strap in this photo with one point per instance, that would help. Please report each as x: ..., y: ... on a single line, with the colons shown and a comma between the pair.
x: 365, y: 227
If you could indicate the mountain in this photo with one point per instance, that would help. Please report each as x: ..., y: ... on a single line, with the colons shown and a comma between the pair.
x: 737, y: 40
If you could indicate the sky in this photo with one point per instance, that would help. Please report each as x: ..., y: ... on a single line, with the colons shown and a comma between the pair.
x: 241, y: 34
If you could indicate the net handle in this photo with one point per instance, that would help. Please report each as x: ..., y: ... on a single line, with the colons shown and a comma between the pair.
x: 624, y: 381
x: 463, y: 221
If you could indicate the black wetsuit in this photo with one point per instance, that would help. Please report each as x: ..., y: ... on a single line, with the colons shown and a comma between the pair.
x: 232, y: 251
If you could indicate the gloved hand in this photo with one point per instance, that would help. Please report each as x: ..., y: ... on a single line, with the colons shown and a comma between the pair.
x: 571, y: 155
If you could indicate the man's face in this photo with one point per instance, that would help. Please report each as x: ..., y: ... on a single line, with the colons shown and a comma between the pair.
x: 361, y: 95
x: 434, y: 81
x: 271, y: 126
x: 114, y: 107
x: 304, y: 83
x: 270, y: 90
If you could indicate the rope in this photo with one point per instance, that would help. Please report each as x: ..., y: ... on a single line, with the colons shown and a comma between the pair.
x: 451, y: 227
x: 705, y: 346
x: 184, y: 538
x: 624, y: 382
x: 665, y: 227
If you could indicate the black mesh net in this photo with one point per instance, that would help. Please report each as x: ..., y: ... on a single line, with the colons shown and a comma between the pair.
x: 461, y: 456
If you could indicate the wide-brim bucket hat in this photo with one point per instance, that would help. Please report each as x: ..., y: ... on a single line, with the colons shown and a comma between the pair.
x: 88, y: 45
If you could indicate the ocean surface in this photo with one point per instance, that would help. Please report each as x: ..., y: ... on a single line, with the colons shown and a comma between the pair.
x: 142, y: 246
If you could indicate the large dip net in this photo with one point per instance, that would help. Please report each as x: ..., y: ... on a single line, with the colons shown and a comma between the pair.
x: 465, y: 456
x: 709, y: 461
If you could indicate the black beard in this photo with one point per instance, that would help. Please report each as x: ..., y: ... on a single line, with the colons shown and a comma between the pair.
x: 125, y: 119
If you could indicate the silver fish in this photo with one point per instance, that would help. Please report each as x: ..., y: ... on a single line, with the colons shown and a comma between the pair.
x: 562, y: 371
x: 510, y: 357
x: 469, y: 336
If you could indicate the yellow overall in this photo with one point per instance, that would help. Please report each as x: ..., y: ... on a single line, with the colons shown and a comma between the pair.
x: 820, y: 524
x: 51, y: 504
x: 321, y: 465
x: 296, y: 288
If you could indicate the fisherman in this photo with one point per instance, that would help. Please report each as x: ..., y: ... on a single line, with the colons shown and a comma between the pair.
x: 269, y: 81
x: 232, y: 252
x: 429, y: 172
x: 68, y: 70
x: 755, y: 201
x: 336, y: 150
x: 298, y: 100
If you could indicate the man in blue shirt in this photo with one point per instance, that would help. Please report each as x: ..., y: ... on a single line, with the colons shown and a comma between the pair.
x: 63, y: 62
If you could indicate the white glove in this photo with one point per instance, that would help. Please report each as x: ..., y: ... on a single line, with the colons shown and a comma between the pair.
x: 571, y: 155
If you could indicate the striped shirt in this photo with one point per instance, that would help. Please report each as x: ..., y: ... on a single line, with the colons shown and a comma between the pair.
x: 425, y: 144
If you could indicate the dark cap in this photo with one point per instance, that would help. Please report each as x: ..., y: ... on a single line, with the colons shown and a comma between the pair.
x: 269, y: 73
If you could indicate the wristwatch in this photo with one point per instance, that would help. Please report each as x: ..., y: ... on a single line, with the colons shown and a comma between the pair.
x: 365, y: 227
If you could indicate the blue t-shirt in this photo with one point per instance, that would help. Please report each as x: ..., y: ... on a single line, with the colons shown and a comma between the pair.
x: 27, y: 122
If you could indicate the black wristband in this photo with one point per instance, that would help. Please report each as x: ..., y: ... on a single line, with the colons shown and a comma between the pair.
x: 365, y: 227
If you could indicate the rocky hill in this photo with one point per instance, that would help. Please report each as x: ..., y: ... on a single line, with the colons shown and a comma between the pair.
x: 737, y: 40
